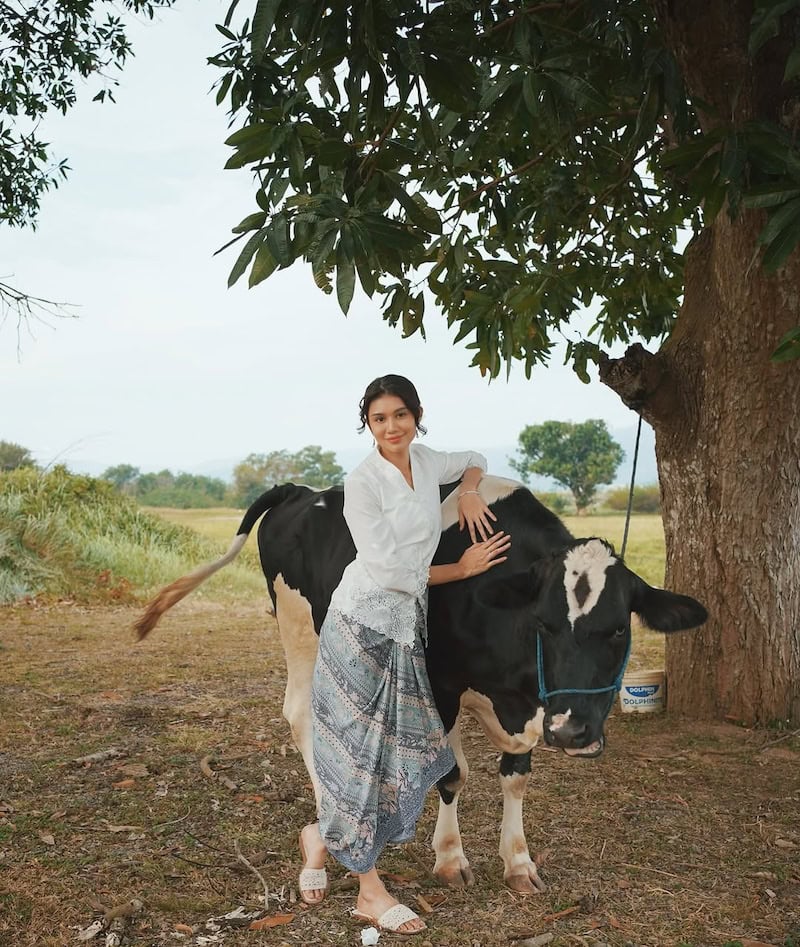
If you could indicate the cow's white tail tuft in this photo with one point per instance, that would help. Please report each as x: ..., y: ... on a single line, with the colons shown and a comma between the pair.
x: 180, y: 588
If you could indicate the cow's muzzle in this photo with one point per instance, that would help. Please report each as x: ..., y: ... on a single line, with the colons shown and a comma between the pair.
x: 572, y: 736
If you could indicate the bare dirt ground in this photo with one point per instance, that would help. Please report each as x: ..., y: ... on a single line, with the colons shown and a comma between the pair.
x: 681, y: 834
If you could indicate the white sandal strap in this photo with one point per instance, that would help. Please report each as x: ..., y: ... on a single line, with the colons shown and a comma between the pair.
x: 313, y: 879
x: 396, y: 916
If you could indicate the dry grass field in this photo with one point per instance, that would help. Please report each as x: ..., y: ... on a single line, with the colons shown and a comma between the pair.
x: 683, y: 834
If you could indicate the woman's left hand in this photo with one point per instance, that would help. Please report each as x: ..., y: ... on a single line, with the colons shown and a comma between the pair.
x: 475, y: 515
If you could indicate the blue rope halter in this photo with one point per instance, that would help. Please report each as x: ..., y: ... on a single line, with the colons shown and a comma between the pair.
x: 545, y: 694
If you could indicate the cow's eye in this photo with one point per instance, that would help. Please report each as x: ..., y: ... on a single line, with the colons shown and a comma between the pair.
x: 620, y: 632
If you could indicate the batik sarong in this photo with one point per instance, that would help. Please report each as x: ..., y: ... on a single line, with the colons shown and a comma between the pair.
x: 379, y: 743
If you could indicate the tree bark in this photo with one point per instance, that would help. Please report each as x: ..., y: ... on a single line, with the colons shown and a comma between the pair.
x: 727, y: 421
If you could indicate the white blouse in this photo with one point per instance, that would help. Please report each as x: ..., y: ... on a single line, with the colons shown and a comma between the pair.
x: 396, y: 530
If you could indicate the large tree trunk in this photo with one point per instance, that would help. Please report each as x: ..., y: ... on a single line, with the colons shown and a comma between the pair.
x: 727, y: 421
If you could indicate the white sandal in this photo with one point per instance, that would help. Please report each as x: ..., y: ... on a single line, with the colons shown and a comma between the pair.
x: 392, y: 919
x: 311, y: 879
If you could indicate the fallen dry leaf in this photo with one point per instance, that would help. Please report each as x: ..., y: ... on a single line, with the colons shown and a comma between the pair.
x: 134, y: 769
x: 754, y: 943
x: 425, y: 905
x: 785, y: 843
x: 273, y: 921
x: 183, y: 929
x: 47, y: 838
x: 124, y: 784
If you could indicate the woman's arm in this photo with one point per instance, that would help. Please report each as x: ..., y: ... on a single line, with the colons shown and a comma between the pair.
x: 477, y: 558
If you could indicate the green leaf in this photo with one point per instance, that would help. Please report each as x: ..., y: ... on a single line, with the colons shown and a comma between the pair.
x: 226, y: 32
x: 688, y: 155
x: 251, y: 222
x: 263, y: 21
x: 792, y: 70
x: 788, y: 348
x: 765, y: 22
x: 784, y: 244
x: 577, y: 89
x: 771, y: 195
x: 733, y: 157
x: 413, y: 312
x: 779, y: 220
x: 222, y: 91
x: 245, y: 256
x: 333, y: 152
x: 445, y: 84
x: 263, y: 266
x: 419, y: 213
x: 345, y: 278
x: 277, y: 236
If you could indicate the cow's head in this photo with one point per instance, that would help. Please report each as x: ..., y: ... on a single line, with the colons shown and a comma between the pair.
x: 578, y: 604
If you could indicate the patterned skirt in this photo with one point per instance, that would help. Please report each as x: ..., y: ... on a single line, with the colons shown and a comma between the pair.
x: 379, y: 743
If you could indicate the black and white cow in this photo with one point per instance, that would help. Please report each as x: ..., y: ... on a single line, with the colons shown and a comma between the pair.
x: 534, y: 648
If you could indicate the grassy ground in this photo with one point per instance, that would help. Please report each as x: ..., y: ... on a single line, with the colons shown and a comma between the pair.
x: 681, y: 835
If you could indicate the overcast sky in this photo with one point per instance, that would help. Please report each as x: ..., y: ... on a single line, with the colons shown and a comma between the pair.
x: 165, y: 366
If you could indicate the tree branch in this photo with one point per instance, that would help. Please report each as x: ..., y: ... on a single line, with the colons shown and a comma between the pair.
x: 26, y: 308
x: 636, y: 377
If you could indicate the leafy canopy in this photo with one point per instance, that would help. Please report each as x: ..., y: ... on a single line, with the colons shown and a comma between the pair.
x: 578, y: 456
x: 517, y: 161
x: 44, y: 46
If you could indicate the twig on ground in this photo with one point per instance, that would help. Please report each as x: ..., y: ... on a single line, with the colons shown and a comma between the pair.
x: 98, y: 757
x: 255, y: 871
x: 786, y: 736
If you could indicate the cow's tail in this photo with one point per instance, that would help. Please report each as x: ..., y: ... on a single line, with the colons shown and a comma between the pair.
x: 172, y: 594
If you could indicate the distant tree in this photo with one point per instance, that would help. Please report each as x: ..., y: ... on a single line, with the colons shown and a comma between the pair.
x: 14, y: 455
x: 182, y: 490
x: 311, y: 465
x: 123, y: 476
x: 578, y: 456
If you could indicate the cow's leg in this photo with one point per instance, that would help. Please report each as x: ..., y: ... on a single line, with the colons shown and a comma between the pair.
x: 519, y: 868
x: 452, y: 867
x: 300, y: 644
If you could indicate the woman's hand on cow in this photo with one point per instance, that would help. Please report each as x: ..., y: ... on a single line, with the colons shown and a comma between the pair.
x: 482, y: 556
x: 475, y: 515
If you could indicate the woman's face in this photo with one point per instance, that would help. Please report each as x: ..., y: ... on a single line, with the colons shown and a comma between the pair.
x: 392, y: 424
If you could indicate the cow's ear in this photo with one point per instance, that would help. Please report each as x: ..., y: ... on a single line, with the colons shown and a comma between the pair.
x: 510, y: 592
x: 665, y: 611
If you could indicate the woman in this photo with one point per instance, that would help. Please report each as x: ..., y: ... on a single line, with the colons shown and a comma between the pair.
x: 379, y: 744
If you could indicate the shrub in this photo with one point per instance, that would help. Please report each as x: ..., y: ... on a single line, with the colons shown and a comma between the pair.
x: 67, y: 535
x: 646, y: 499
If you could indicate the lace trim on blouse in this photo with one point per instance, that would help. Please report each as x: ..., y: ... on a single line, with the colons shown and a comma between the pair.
x: 395, y: 615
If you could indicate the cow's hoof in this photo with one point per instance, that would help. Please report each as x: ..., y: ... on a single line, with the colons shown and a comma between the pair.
x: 458, y: 876
x: 527, y: 882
